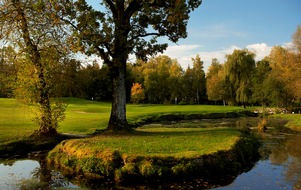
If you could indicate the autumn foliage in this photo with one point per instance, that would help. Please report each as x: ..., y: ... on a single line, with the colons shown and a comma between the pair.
x: 137, y: 93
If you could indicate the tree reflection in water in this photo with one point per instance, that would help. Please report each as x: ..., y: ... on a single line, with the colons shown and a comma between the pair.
x: 49, y: 178
x: 288, y: 154
x: 31, y: 174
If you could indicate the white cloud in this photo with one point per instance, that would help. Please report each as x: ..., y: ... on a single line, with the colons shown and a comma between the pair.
x: 184, y: 53
x: 289, y: 45
x: 261, y: 50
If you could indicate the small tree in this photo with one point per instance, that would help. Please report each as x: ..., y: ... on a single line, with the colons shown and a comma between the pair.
x: 137, y: 93
x: 33, y: 30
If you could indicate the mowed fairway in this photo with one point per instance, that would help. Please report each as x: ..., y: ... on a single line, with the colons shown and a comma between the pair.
x: 15, y: 121
x: 84, y: 116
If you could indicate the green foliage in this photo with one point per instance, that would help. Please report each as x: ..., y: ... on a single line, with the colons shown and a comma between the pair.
x: 215, y: 81
x: 37, y: 39
x: 199, y: 81
x: 239, y: 68
x: 7, y: 71
x: 92, y: 165
x: 260, y: 89
x: 47, y: 112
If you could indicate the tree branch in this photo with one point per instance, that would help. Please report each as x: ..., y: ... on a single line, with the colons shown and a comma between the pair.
x: 103, y: 55
x: 134, y: 6
x: 145, y: 35
x: 112, y: 7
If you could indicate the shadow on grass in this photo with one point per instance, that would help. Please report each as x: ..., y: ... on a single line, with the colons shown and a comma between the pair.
x: 171, y: 132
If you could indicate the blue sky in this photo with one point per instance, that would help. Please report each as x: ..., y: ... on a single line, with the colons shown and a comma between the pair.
x: 218, y: 27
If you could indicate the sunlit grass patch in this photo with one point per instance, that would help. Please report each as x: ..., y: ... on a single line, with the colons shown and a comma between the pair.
x: 180, y: 142
x: 85, y: 116
x: 15, y: 121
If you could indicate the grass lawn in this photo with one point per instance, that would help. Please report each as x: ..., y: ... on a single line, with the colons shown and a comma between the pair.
x: 84, y: 116
x: 15, y: 121
x: 148, y: 141
x: 294, y: 120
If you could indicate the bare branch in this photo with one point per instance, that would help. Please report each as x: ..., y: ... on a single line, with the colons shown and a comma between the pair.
x: 145, y: 35
x: 103, y: 55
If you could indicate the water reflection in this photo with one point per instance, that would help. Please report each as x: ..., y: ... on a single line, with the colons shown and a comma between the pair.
x: 280, y: 167
x: 30, y: 174
x: 14, y: 171
x: 289, y: 156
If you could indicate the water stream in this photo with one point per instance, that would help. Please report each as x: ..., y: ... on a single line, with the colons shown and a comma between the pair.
x: 279, y: 167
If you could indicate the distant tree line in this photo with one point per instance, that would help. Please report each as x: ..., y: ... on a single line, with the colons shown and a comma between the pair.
x: 240, y: 80
x: 161, y: 78
x: 272, y: 81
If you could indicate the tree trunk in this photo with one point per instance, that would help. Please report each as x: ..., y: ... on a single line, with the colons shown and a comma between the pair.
x: 46, y: 125
x: 117, y: 120
x: 117, y: 68
x: 117, y: 71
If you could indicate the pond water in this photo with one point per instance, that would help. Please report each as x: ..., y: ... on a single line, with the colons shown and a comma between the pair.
x: 30, y: 174
x: 279, y: 167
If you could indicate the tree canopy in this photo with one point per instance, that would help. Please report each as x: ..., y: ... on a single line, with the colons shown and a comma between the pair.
x: 121, y: 28
x: 238, y: 71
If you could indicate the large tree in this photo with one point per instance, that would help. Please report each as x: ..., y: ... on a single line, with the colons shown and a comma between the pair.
x: 239, y: 68
x: 33, y: 31
x: 199, y: 81
x: 156, y: 79
x: 215, y: 80
x: 260, y: 83
x: 285, y: 71
x: 123, y: 27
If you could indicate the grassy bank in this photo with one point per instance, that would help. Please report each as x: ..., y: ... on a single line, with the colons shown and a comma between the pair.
x: 294, y: 120
x: 157, y: 154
